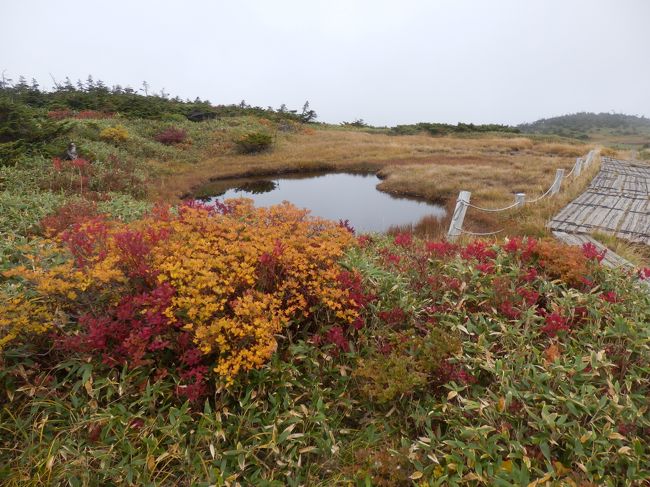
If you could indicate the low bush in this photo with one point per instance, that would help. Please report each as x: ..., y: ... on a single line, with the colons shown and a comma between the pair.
x: 94, y: 179
x: 171, y: 136
x: 115, y: 134
x: 249, y: 274
x: 254, y: 143
x: 21, y: 213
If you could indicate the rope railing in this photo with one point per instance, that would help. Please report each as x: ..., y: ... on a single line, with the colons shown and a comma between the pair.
x: 496, y: 210
x: 462, y: 203
x: 483, y: 234
x: 535, y: 200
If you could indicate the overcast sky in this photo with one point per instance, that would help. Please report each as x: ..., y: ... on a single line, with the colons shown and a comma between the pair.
x: 388, y: 62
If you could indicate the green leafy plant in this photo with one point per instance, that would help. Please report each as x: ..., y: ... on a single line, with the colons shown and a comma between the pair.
x: 254, y: 142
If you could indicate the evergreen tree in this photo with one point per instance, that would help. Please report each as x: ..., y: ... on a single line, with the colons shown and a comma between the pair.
x: 307, y: 114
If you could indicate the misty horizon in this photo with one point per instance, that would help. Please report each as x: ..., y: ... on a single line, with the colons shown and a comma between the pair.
x: 387, y: 63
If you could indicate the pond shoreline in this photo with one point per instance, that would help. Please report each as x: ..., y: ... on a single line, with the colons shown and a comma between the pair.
x: 314, y: 172
x: 334, y: 195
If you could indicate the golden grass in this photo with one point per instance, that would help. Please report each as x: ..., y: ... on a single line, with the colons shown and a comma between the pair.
x: 637, y: 254
x: 493, y: 167
x: 434, y: 168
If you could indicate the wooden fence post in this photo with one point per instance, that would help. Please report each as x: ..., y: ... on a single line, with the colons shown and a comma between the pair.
x: 459, y: 215
x: 520, y: 199
x: 577, y: 169
x: 555, y: 188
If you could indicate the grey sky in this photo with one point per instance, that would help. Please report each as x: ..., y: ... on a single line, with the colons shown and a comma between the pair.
x: 388, y: 62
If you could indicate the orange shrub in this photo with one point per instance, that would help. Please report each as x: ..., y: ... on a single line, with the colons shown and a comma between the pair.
x: 561, y: 261
x: 232, y: 278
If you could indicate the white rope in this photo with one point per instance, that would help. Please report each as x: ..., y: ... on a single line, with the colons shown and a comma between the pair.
x: 493, y: 209
x: 570, y: 172
x: 540, y: 197
x: 475, y: 234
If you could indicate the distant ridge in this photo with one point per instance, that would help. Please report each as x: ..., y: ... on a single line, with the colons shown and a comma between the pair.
x: 581, y: 125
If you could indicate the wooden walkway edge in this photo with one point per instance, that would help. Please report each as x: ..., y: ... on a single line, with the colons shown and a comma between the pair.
x: 617, y: 202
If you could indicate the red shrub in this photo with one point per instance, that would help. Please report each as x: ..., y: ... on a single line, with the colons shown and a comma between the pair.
x: 171, y: 136
x: 92, y: 114
x: 72, y: 213
x: 441, y: 249
x: 60, y: 114
x: 478, y: 250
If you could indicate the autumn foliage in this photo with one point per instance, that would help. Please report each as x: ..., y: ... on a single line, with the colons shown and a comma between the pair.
x: 210, y: 287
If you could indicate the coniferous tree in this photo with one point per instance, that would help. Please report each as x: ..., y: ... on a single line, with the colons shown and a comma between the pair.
x: 307, y: 114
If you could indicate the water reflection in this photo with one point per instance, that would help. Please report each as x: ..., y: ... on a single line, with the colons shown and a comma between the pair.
x: 338, y: 196
x: 257, y: 187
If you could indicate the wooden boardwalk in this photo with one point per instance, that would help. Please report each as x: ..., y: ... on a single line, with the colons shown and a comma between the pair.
x: 616, y: 202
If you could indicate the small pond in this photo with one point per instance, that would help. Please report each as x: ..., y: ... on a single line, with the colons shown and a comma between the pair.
x: 336, y: 196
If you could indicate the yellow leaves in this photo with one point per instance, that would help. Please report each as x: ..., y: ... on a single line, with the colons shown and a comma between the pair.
x: 238, y: 279
x: 241, y: 278
x: 19, y: 315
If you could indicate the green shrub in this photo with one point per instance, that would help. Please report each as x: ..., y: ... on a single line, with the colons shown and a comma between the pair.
x: 21, y: 213
x: 414, y: 365
x: 254, y: 142
x: 124, y: 207
x: 24, y: 130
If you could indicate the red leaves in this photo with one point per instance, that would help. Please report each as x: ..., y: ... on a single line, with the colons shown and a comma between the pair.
x: 336, y: 336
x: 455, y: 373
x: 644, y: 274
x: 509, y: 311
x: 135, y: 331
x: 214, y: 208
x: 352, y: 283
x: 404, y: 239
x: 478, y: 250
x: 590, y: 251
x: 73, y: 213
x: 610, y: 297
x: 441, y: 249
x: 393, y: 317
x: 84, y: 239
x: 171, y: 136
x: 555, y: 323
x: 515, y: 245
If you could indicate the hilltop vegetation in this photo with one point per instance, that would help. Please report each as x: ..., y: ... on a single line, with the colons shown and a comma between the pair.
x: 605, y: 127
x: 148, y: 341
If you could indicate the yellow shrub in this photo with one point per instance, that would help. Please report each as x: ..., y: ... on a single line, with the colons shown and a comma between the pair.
x: 114, y: 134
x: 19, y: 315
x: 238, y: 279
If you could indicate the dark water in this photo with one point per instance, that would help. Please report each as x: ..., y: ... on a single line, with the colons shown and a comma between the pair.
x: 333, y: 196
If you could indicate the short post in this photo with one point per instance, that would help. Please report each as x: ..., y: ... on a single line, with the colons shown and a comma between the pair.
x: 590, y: 158
x: 459, y: 215
x: 520, y: 199
x: 577, y: 169
x: 559, y: 174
